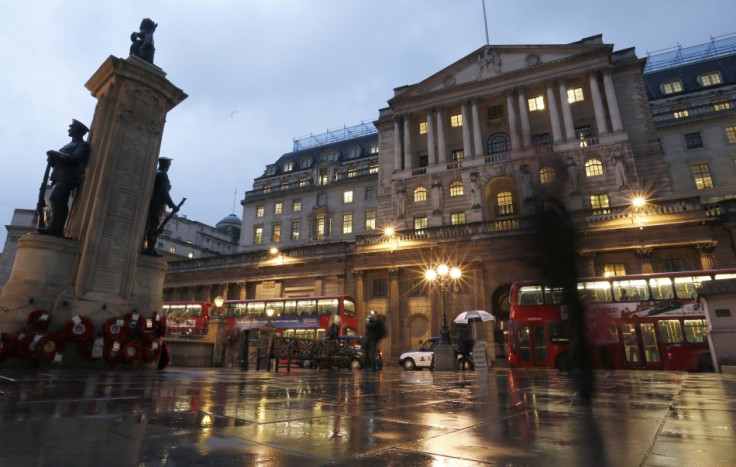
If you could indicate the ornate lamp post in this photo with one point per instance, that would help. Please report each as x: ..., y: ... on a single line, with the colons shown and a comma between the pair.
x: 218, y: 306
x: 444, y: 354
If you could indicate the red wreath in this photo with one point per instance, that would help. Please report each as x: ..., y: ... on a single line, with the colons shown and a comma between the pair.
x: 23, y: 345
x: 85, y: 349
x: 151, y: 351
x: 132, y: 351
x: 39, y: 319
x: 48, y: 346
x: 7, y: 344
x: 112, y: 351
x: 160, y: 324
x: 134, y: 323
x: 79, y: 329
x: 149, y: 328
x: 115, y: 328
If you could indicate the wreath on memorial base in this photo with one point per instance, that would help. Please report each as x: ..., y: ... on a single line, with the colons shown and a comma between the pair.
x: 112, y: 351
x: 151, y: 351
x: 114, y: 328
x: 134, y: 323
x: 7, y: 344
x: 39, y: 319
x: 79, y: 329
x: 85, y: 349
x: 132, y: 351
x: 23, y: 345
x: 47, y: 346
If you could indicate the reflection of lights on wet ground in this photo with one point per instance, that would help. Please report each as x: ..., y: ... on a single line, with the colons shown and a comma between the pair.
x: 206, y: 421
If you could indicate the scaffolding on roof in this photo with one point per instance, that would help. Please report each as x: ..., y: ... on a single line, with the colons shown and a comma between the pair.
x: 678, y: 55
x: 334, y: 136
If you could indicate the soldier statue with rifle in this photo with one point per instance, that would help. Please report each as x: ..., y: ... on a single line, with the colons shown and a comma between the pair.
x: 68, y: 165
x: 159, y: 200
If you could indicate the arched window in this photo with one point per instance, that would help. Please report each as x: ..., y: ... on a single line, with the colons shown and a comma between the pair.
x: 593, y: 167
x: 420, y: 194
x: 547, y: 175
x: 456, y: 188
x: 498, y: 143
x: 504, y: 204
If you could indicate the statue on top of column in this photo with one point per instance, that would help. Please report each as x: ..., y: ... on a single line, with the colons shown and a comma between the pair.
x: 142, y: 46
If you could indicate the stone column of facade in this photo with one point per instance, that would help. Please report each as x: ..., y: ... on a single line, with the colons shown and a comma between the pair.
x: 359, y: 296
x: 707, y: 253
x: 225, y: 290
x: 645, y: 260
x: 554, y: 116
x: 397, y: 143
x: 590, y: 263
x: 612, y: 101
x: 191, y: 294
x: 431, y: 153
x: 242, y: 288
x: 395, y: 317
x: 526, y: 133
x: 477, y: 134
x: 600, y: 115
x: 511, y: 110
x: 467, y: 141
x: 441, y: 144
x: 566, y: 111
x: 408, y: 152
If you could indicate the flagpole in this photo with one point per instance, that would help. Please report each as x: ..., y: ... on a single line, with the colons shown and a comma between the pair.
x: 485, y: 21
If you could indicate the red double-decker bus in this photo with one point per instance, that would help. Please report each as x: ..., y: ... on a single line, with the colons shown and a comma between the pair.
x: 638, y: 321
x: 187, y: 318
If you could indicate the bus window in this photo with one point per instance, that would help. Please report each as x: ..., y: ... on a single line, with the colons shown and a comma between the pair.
x: 349, y: 307
x: 558, y: 333
x: 194, y: 311
x: 306, y: 307
x: 631, y: 290
x: 525, y: 351
x: 670, y: 331
x: 529, y: 295
x: 177, y: 311
x: 277, y: 307
x: 290, y: 308
x: 725, y: 276
x: 552, y: 296
x: 256, y: 309
x: 327, y: 306
x: 287, y: 333
x: 235, y: 310
x: 685, y: 287
x: 661, y: 288
x: 305, y: 333
x: 696, y: 331
x: 321, y: 334
x: 595, y: 292
x: 631, y: 349
x: 651, y: 351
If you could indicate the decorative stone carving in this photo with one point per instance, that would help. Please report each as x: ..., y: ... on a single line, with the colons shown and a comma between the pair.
x: 489, y: 64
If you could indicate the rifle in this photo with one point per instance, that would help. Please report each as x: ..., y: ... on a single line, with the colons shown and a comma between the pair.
x: 41, y: 205
x: 160, y: 229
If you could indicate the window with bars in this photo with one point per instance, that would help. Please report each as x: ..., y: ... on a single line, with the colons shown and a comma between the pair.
x: 370, y: 192
x: 731, y: 134
x: 278, y: 208
x: 417, y: 287
x: 671, y: 87
x: 456, y: 120
x: 422, y: 128
x: 541, y: 140
x: 495, y: 112
x: 701, y: 176
x: 420, y: 194
x: 296, y: 227
x: 498, y: 143
x: 672, y: 265
x: 380, y: 287
x: 420, y: 223
x: 257, y: 235
x: 693, y: 140
x: 504, y: 204
x: 276, y: 233
x: 575, y: 95
x: 710, y: 79
x: 457, y: 155
x: 347, y: 223
x: 260, y: 211
x: 297, y: 206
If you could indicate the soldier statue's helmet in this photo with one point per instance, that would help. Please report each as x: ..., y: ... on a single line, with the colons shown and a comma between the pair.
x: 79, y: 125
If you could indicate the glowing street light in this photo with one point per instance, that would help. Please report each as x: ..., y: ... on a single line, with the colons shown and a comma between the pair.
x: 442, y: 274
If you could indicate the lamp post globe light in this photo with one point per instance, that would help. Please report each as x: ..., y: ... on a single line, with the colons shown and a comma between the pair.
x: 444, y: 353
x: 219, y: 301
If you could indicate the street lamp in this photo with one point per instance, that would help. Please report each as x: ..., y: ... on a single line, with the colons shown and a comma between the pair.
x: 269, y: 313
x: 218, y: 306
x: 442, y: 274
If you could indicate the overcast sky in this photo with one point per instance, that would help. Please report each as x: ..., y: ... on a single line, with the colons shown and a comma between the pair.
x: 260, y: 73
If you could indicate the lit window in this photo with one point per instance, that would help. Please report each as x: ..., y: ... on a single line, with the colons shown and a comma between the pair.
x: 347, y: 223
x: 614, y: 269
x: 495, y: 112
x: 710, y: 79
x: 323, y: 179
x: 347, y: 197
x: 457, y: 218
x: 260, y: 211
x: 297, y: 206
x: 457, y: 155
x: 693, y: 140
x: 681, y: 113
x: 303, y: 182
x: 172, y: 249
x: 352, y: 173
x: 284, y: 186
x: 370, y: 192
x: 505, y: 204
x: 267, y: 189
x: 420, y: 194
x: 191, y: 254
x: 701, y: 176
x: 370, y: 220
x: 547, y: 175
x: 593, y: 167
x: 276, y: 233
x: 288, y: 166
x: 536, y: 103
x: 575, y: 95
x: 373, y: 169
x: 420, y: 223
x: 731, y: 134
x: 721, y: 104
x: 498, y: 143
x: 422, y: 128
x: 600, y: 204
x: 374, y: 148
x: 295, y: 228
x: 456, y: 188
x: 257, y: 235
x: 456, y: 120
x: 671, y: 87
x: 321, y: 226
x: 278, y: 208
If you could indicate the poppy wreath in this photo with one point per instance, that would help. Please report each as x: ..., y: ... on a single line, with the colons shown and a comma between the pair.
x: 151, y: 351
x: 114, y: 328
x: 160, y: 324
x: 149, y: 328
x: 79, y: 329
x: 112, y: 351
x: 132, y: 351
x: 47, y: 346
x: 7, y: 344
x: 39, y: 319
x: 134, y: 323
x: 23, y: 345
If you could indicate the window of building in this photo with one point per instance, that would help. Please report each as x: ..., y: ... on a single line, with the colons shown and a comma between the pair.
x: 260, y: 211
x: 536, y: 103
x: 380, y: 287
x: 297, y: 206
x: 614, y: 269
x: 495, y: 112
x: 373, y: 148
x: 721, y: 104
x: 498, y: 143
x: 504, y: 203
x: 267, y: 189
x: 190, y: 254
x: 672, y: 265
x: 575, y: 95
x: 306, y: 162
x: 288, y: 166
x: 593, y: 167
x: 303, y: 181
x: 681, y: 113
x: 457, y: 218
x: 731, y: 134
x: 456, y: 120
x: 701, y: 176
x: 583, y: 132
x: 278, y: 208
x: 420, y: 223
x: 172, y: 249
x: 546, y: 175
x: 347, y: 196
x: 332, y: 156
x: 600, y: 204
x: 352, y: 172
x: 355, y: 152
x: 420, y: 194
x: 456, y: 188
x: 370, y: 192
x: 324, y: 178
x: 671, y: 87
x: 271, y: 170
x: 457, y: 155
x: 423, y: 160
x: 322, y: 199
x: 710, y: 79
x: 370, y: 220
x: 693, y: 140
x: 276, y: 233
x: 417, y: 287
x: 284, y: 186
x: 321, y: 226
x: 347, y: 223
x: 373, y: 169
x: 422, y: 128
x: 257, y: 235
x: 541, y: 140
x: 296, y: 227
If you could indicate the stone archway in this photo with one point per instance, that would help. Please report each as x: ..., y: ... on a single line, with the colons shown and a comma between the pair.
x: 419, y: 330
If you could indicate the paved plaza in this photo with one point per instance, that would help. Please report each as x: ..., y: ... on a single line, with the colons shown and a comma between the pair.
x: 222, y: 417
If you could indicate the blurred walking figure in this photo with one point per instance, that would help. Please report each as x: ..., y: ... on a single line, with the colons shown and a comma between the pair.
x: 375, y: 330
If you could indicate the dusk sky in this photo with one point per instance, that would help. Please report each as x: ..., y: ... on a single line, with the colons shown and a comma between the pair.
x: 260, y: 73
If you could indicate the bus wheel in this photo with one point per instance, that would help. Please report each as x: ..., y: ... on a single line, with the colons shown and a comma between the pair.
x: 562, y: 362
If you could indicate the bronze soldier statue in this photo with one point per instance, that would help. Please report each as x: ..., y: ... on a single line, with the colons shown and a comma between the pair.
x: 142, y: 45
x: 159, y: 200
x: 68, y: 167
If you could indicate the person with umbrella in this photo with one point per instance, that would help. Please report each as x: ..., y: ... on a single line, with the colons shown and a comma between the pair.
x: 464, y: 345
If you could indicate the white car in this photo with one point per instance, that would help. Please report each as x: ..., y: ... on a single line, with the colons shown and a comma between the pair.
x: 421, y: 357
